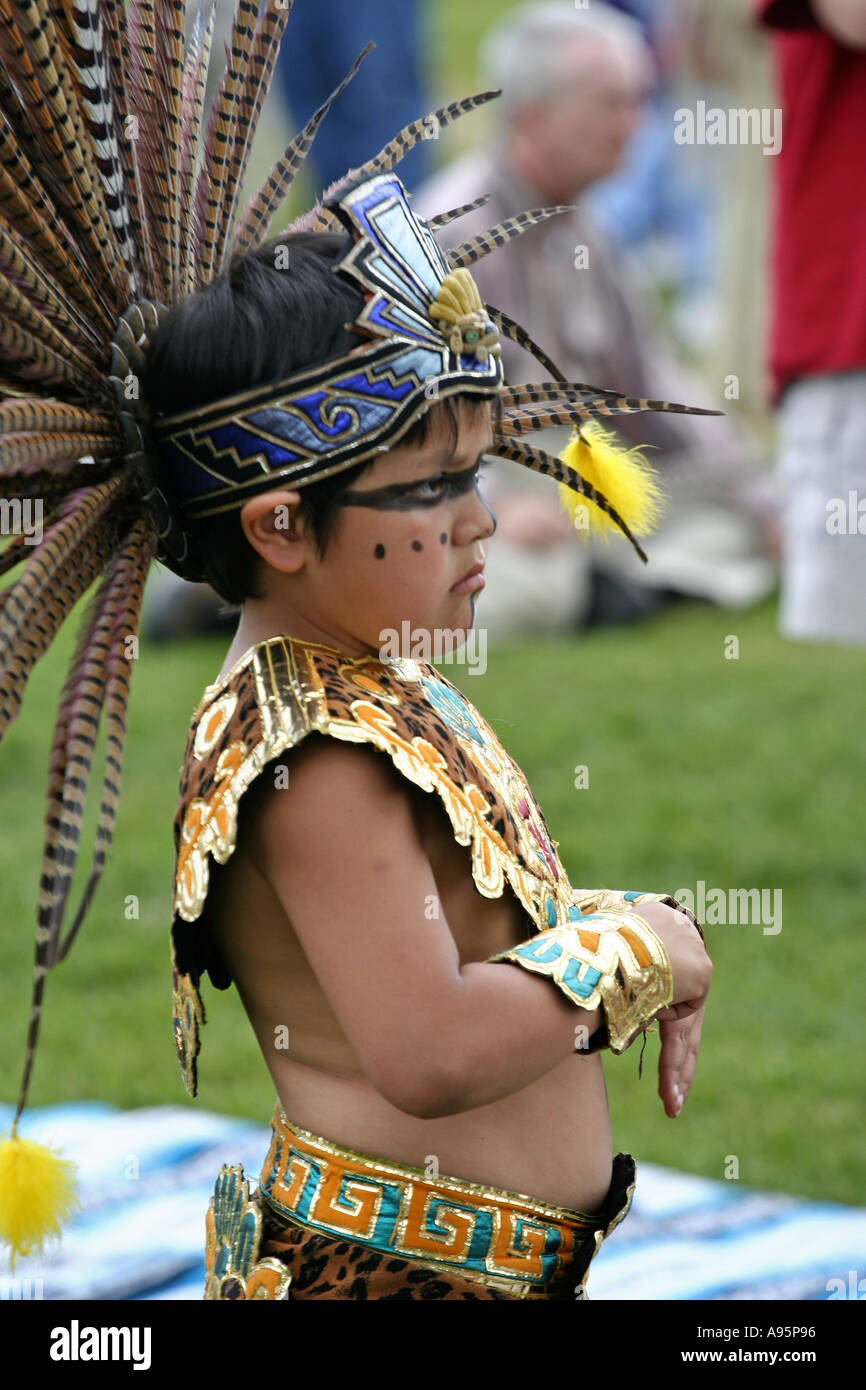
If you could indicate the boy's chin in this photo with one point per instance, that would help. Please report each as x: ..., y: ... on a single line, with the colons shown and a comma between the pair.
x: 417, y: 640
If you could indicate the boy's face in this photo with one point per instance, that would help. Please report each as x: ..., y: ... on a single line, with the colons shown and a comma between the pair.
x: 406, y: 533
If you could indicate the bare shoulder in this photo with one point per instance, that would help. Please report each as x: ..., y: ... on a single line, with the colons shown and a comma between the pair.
x: 325, y: 791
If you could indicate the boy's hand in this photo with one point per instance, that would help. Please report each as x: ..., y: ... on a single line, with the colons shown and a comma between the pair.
x: 680, y: 1039
x: 680, y: 1023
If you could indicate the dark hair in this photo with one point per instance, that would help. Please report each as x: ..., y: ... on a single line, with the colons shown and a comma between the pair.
x: 253, y: 324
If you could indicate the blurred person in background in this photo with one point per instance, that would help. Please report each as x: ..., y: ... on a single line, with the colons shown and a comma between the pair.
x: 818, y: 327
x: 390, y: 89
x: 663, y: 203
x: 574, y: 84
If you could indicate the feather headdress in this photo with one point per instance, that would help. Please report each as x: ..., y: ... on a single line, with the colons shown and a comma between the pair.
x: 119, y: 196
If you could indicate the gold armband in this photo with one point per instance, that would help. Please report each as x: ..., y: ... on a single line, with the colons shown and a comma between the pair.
x: 612, y: 959
x: 609, y: 900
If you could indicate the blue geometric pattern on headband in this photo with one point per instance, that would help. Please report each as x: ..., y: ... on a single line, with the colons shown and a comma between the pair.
x: 327, y: 417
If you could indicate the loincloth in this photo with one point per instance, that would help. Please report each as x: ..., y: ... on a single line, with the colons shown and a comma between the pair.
x: 331, y: 1222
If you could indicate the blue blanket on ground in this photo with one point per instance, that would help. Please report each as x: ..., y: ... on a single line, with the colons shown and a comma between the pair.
x: 146, y: 1177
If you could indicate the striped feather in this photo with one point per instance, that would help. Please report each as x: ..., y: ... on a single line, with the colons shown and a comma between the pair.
x: 86, y: 52
x: 46, y: 938
x: 170, y: 21
x: 124, y: 585
x: 49, y: 488
x: 28, y: 358
x: 426, y: 128
x: 253, y: 226
x: 217, y: 172
x: 13, y: 554
x: 18, y: 416
x: 120, y: 38
x: 143, y: 79
x: 18, y: 266
x: 33, y: 637
x: 33, y: 214
x: 500, y: 235
x: 262, y: 61
x: 443, y: 218
x: 47, y: 91
x: 80, y: 513
x: 17, y: 306
x: 195, y: 83
x: 607, y: 402
x: 520, y: 336
x: 29, y: 453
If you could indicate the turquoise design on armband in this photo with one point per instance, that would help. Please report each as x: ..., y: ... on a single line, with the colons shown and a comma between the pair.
x: 551, y: 911
x: 534, y: 950
x: 548, y: 953
x: 581, y: 985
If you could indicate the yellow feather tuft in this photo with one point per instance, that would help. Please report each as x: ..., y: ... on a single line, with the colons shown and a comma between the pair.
x: 622, y: 475
x: 37, y: 1194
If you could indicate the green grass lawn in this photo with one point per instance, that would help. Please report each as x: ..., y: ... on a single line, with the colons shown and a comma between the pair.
x: 743, y: 773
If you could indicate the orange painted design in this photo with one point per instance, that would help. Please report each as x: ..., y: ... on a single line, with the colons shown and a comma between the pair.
x: 589, y: 939
x: 467, y: 808
x: 458, y: 1225
x: 295, y: 1176
x: 507, y: 1255
x: 641, y: 954
x: 210, y: 825
x: 325, y: 1209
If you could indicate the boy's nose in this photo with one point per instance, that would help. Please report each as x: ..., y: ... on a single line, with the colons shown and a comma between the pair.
x: 477, y: 520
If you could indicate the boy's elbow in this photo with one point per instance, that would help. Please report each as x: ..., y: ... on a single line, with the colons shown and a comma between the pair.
x: 424, y: 1093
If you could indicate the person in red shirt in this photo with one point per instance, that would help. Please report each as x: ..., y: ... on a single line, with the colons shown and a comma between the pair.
x: 818, y: 323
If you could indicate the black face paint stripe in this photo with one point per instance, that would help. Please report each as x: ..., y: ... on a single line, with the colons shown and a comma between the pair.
x: 401, y: 496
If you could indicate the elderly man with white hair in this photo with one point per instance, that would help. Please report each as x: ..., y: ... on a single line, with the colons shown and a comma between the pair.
x: 573, y: 85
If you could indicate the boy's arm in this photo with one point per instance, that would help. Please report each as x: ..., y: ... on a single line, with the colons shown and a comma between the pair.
x: 341, y: 849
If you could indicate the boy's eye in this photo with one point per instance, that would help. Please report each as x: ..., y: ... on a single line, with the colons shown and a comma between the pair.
x: 430, y: 487
x: 448, y: 484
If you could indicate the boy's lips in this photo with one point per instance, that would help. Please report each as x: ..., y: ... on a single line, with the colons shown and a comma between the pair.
x: 473, y: 579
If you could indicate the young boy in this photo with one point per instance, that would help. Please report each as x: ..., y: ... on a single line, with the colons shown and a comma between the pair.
x: 299, y: 424
x: 442, y: 1127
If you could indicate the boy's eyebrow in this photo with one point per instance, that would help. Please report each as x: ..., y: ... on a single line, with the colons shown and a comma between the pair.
x: 446, y: 456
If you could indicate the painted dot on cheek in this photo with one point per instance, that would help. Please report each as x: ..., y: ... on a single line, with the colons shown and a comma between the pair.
x: 379, y: 551
x: 416, y: 545
x: 443, y: 538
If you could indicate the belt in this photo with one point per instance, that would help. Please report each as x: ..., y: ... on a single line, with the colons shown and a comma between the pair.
x: 504, y: 1239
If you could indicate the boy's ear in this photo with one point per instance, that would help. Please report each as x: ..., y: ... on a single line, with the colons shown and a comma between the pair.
x: 273, y: 525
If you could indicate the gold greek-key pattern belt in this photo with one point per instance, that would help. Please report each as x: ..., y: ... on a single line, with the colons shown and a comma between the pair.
x: 440, y: 1221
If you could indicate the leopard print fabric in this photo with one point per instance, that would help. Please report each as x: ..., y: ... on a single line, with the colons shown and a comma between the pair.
x: 327, y: 1267
x: 322, y: 1267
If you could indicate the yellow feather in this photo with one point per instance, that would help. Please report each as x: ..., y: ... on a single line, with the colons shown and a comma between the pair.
x: 622, y: 475
x: 37, y: 1194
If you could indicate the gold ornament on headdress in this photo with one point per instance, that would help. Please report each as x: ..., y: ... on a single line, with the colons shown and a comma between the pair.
x: 472, y: 330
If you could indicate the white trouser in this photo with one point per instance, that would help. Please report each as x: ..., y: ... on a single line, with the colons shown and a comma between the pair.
x: 822, y: 472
